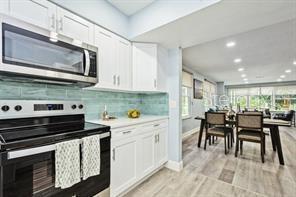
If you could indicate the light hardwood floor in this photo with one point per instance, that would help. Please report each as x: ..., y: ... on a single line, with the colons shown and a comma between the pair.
x: 211, y: 173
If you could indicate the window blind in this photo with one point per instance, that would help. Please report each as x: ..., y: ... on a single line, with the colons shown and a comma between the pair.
x: 187, y: 79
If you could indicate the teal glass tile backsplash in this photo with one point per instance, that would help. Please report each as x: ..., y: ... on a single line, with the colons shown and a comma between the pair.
x: 118, y: 103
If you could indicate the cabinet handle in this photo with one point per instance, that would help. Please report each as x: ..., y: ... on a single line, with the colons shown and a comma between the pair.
x: 114, y: 79
x: 61, y: 24
x: 126, y: 132
x: 155, y: 83
x: 118, y: 80
x: 155, y: 139
x: 52, y: 21
x: 113, y: 155
x: 156, y: 125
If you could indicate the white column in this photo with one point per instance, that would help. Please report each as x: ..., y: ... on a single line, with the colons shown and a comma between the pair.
x: 175, y: 122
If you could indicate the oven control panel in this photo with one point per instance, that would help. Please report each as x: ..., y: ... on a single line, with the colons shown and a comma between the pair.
x: 19, y: 108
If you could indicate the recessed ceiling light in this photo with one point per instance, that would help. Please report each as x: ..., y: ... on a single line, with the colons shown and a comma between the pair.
x: 288, y: 71
x: 237, y: 60
x: 241, y: 69
x: 282, y: 76
x: 294, y: 62
x: 279, y: 79
x: 245, y: 79
x: 230, y: 44
x: 243, y: 75
x: 246, y: 82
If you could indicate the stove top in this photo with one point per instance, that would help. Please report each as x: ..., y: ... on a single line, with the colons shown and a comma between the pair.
x: 62, y: 121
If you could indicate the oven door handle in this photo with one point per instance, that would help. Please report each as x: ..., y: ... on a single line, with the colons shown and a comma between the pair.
x: 87, y: 62
x: 38, y: 150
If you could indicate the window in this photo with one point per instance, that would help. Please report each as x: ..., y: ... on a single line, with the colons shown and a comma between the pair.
x: 275, y: 98
x: 186, y: 102
x: 187, y: 83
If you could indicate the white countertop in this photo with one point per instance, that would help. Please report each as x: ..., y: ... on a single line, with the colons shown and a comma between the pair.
x: 124, y: 121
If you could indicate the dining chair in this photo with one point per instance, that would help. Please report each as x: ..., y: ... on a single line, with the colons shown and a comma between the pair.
x: 249, y: 127
x: 217, y: 121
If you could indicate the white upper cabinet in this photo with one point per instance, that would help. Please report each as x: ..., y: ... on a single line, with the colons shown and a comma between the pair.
x: 144, y: 67
x: 41, y: 13
x: 124, y: 72
x: 105, y: 42
x: 4, y: 5
x: 114, y: 60
x: 75, y: 27
x: 149, y: 67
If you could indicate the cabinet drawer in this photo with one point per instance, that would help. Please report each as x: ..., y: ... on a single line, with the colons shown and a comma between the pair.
x: 124, y: 132
x: 154, y: 125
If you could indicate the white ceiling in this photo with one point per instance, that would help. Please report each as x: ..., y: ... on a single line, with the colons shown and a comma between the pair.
x: 265, y: 40
x: 130, y: 7
x: 266, y: 53
x: 219, y: 20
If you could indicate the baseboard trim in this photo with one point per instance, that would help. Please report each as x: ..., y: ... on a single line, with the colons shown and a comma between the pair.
x: 174, y: 165
x: 189, y: 133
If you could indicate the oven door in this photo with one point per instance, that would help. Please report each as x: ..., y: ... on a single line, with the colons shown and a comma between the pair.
x: 31, y: 172
x: 27, y: 52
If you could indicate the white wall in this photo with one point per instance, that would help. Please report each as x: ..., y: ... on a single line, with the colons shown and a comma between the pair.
x: 100, y: 12
x: 162, y: 12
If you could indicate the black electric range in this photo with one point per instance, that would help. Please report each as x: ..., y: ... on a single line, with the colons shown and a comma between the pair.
x: 28, y: 132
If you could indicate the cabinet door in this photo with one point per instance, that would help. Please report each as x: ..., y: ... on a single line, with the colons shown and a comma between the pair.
x: 161, y: 147
x: 41, y: 13
x: 4, y: 6
x: 146, y: 152
x: 75, y: 27
x: 144, y: 66
x: 123, y: 165
x: 105, y: 42
x: 123, y: 64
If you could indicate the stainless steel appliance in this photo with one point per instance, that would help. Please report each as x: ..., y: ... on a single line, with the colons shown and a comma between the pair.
x: 32, y: 53
x: 29, y: 131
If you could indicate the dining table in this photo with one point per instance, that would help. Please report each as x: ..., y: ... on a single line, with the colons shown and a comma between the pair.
x: 272, y: 124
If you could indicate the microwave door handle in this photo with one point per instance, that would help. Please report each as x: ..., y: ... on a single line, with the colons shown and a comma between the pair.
x: 87, y: 63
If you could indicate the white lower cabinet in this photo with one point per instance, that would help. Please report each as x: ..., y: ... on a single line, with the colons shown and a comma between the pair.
x: 136, y: 153
x: 161, y: 146
x: 146, y: 153
x: 123, y: 165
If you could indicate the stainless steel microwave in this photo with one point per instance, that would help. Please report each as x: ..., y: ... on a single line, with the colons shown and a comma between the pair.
x: 36, y: 56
